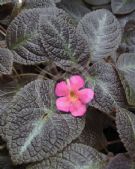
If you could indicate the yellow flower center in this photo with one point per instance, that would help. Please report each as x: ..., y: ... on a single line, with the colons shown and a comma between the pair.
x: 73, y: 96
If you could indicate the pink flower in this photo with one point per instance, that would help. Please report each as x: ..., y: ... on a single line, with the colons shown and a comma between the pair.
x: 73, y: 97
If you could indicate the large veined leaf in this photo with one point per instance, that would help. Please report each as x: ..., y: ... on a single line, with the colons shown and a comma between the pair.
x: 38, y: 3
x: 107, y: 87
x: 126, y: 68
x: 6, y: 61
x: 75, y: 156
x: 120, y: 161
x: 41, y: 34
x: 125, y: 121
x: 23, y: 36
x: 35, y: 130
x: 97, y: 2
x: 76, y: 9
x: 61, y: 41
x: 102, y: 31
x: 122, y: 6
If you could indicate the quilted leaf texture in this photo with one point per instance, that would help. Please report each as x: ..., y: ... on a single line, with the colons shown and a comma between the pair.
x: 23, y: 36
x: 92, y: 134
x: 29, y: 4
x: 75, y: 156
x: 125, y: 121
x: 34, y: 129
x: 122, y: 6
x: 120, y: 161
x: 6, y: 61
x: 76, y: 9
x: 126, y: 68
x: 8, y: 89
x: 102, y: 31
x: 62, y: 42
x: 108, y: 89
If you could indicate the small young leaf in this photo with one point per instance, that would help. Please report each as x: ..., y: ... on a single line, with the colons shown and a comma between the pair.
x: 102, y: 31
x: 35, y: 130
x: 75, y: 156
x: 122, y: 6
x: 120, y: 161
x: 6, y: 61
x: 125, y: 121
x: 108, y: 89
x: 126, y: 68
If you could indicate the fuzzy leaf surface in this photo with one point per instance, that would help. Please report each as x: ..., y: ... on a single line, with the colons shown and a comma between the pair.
x: 6, y: 61
x: 102, y: 31
x: 62, y: 42
x: 107, y: 87
x: 29, y: 4
x: 34, y: 129
x: 125, y: 121
x: 76, y: 9
x: 122, y: 6
x: 75, y: 156
x: 23, y: 36
x: 126, y: 68
x: 120, y: 161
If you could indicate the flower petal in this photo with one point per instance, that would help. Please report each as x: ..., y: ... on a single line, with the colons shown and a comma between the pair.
x: 77, y: 109
x: 63, y: 104
x: 76, y: 82
x: 86, y: 95
x: 61, y: 89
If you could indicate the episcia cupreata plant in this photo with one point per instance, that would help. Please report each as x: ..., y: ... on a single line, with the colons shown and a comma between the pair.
x: 57, y: 121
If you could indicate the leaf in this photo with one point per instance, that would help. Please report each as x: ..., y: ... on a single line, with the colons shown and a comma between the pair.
x: 23, y: 36
x: 76, y: 9
x: 107, y: 87
x: 46, y: 34
x: 8, y: 88
x: 125, y: 122
x: 126, y: 68
x: 92, y: 134
x: 62, y: 43
x: 35, y: 130
x: 120, y: 161
x: 122, y: 6
x: 6, y: 61
x: 102, y: 31
x: 29, y: 4
x: 97, y: 2
x: 75, y: 156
